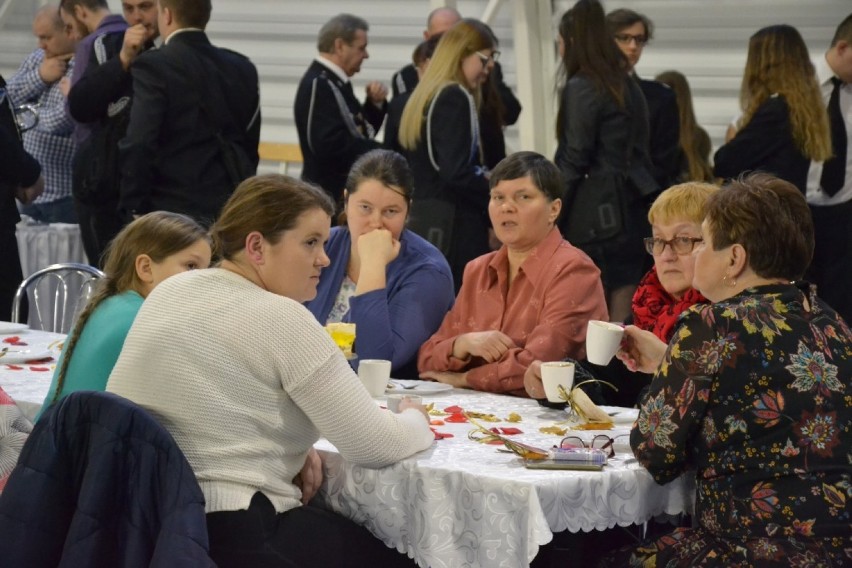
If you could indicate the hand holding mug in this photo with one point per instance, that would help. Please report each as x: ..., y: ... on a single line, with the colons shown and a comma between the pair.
x: 532, y: 380
x: 641, y: 350
x: 401, y: 402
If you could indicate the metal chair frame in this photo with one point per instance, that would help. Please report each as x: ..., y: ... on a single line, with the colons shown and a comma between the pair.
x: 63, y: 314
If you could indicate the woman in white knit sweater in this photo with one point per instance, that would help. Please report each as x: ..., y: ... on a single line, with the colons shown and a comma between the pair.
x: 246, y: 380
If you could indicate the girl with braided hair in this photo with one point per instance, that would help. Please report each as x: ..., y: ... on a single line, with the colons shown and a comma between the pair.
x: 146, y: 252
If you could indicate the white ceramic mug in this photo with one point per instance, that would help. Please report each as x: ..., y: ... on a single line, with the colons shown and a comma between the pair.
x: 375, y: 374
x: 555, y: 374
x: 395, y: 399
x: 602, y: 341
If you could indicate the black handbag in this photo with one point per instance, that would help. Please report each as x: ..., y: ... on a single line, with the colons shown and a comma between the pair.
x: 99, y: 165
x: 433, y: 220
x: 596, y: 207
x: 596, y: 211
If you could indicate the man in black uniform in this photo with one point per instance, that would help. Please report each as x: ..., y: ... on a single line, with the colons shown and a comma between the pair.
x: 335, y: 128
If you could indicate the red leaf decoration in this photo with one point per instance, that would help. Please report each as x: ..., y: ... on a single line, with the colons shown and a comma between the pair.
x: 440, y: 435
x: 457, y: 418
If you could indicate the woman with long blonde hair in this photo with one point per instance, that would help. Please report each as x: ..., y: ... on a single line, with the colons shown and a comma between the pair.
x: 784, y: 125
x: 440, y: 132
x: 695, y: 143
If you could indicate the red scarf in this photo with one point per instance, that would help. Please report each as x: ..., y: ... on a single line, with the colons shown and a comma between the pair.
x: 655, y: 310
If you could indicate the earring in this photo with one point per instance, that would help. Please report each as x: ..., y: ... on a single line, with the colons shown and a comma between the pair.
x: 732, y: 283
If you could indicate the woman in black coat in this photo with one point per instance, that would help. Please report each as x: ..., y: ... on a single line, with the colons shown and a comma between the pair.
x: 602, y: 128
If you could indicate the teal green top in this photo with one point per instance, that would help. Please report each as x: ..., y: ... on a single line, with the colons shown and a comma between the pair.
x: 98, y: 347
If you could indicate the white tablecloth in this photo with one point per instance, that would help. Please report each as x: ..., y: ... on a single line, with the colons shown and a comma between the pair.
x: 462, y: 503
x: 459, y: 503
x: 28, y: 384
x: 43, y: 245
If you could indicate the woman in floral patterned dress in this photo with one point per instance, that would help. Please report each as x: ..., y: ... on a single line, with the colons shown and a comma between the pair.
x: 753, y: 392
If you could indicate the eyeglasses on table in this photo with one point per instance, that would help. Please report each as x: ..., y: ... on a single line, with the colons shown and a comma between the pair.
x: 600, y: 442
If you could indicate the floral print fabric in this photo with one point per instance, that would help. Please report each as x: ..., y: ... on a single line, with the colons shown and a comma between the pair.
x: 754, y: 395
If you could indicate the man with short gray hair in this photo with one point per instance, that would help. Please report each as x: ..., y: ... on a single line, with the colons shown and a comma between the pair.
x: 335, y: 128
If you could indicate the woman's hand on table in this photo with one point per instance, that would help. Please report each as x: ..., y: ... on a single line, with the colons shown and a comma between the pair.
x: 456, y: 380
x: 532, y: 380
x: 488, y: 345
x: 406, y: 403
x: 641, y: 350
x: 310, y: 478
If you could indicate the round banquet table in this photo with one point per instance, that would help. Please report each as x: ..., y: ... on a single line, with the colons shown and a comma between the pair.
x: 463, y: 503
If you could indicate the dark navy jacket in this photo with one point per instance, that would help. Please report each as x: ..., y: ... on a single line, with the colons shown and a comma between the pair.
x: 101, y: 483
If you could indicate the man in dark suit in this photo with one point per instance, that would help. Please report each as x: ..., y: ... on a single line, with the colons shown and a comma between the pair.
x: 195, y: 121
x: 20, y: 176
x: 100, y: 100
x: 631, y: 32
x: 829, y: 186
x: 335, y: 128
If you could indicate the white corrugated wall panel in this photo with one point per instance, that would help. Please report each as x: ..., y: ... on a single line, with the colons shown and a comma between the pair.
x: 704, y: 39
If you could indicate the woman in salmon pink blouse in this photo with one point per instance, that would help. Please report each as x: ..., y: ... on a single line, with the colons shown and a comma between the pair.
x: 531, y: 299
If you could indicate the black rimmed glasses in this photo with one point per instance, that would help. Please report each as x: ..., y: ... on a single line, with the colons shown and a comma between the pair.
x: 680, y: 245
x: 485, y: 59
x: 625, y: 39
x: 599, y: 442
